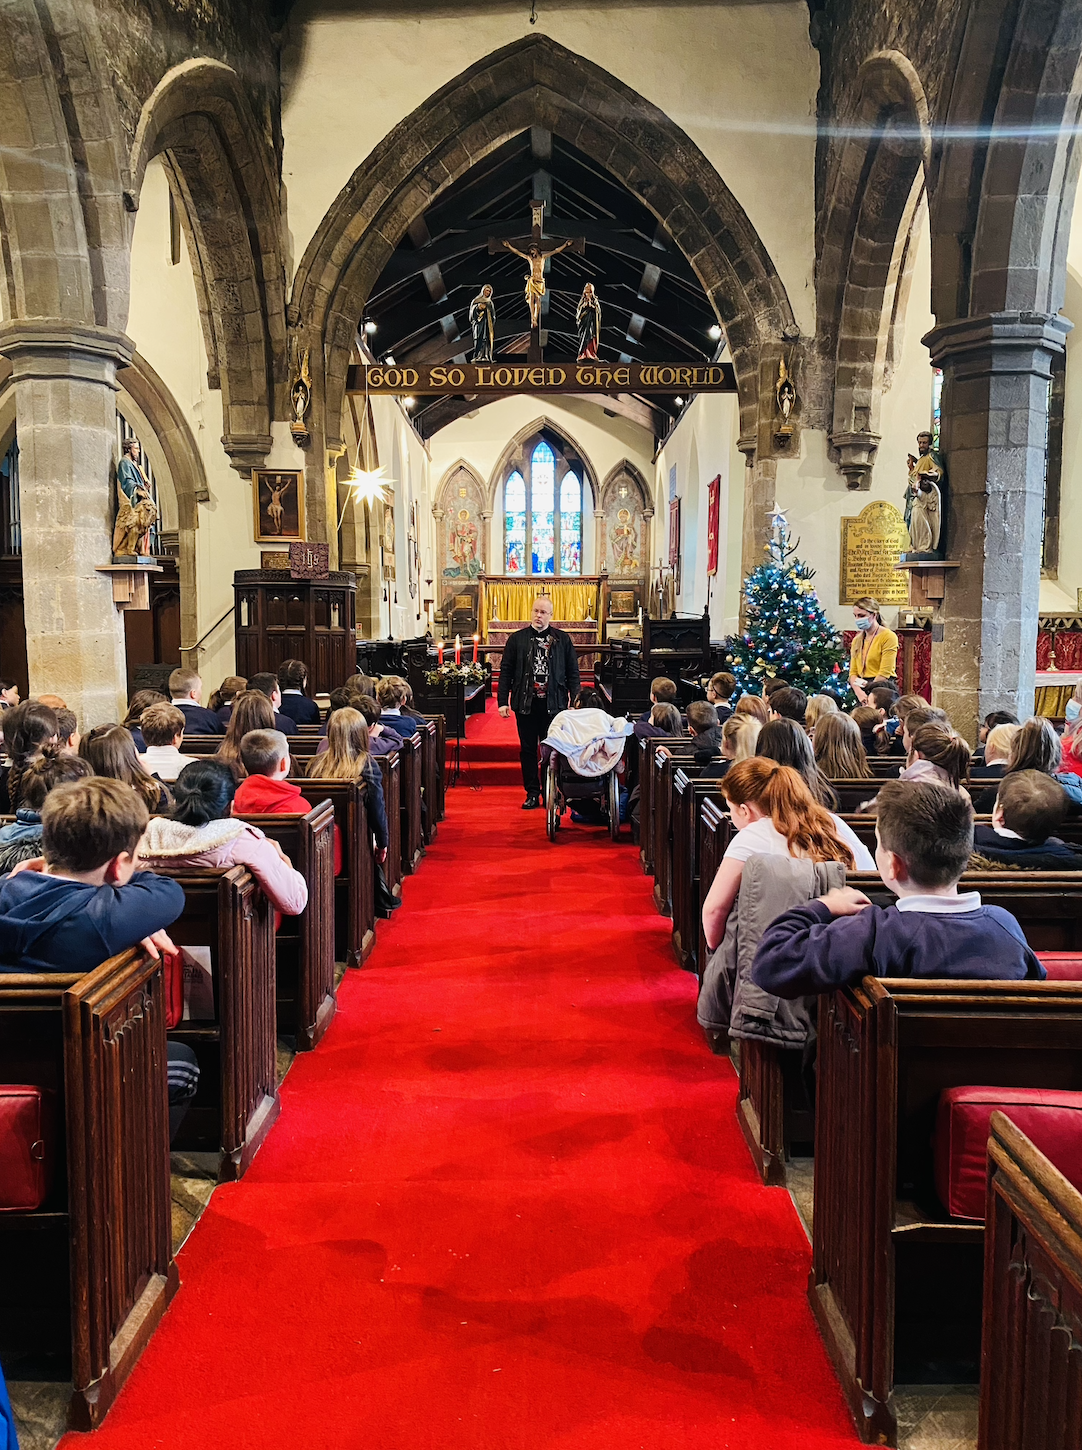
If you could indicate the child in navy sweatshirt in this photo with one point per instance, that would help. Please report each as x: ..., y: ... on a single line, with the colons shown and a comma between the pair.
x: 924, y: 835
x: 83, y: 901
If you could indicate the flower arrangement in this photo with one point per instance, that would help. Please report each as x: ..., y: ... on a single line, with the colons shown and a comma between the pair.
x: 450, y: 674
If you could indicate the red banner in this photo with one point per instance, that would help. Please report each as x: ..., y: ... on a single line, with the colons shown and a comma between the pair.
x: 713, y: 512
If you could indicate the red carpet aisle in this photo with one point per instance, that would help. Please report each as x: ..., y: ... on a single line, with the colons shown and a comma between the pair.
x: 506, y: 1206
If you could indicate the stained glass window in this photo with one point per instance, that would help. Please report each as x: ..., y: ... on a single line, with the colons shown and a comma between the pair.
x: 570, y: 525
x: 542, y: 509
x: 514, y: 503
x: 542, y: 532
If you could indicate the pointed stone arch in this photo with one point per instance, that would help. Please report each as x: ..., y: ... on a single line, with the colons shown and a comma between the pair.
x: 222, y: 177
x: 1006, y: 179
x: 873, y: 192
x: 536, y: 81
x: 63, y: 228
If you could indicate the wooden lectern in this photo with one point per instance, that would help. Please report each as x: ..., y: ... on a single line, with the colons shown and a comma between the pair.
x: 280, y: 618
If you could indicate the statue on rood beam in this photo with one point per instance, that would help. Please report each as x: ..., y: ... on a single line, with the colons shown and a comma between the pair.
x: 588, y: 319
x: 136, y: 512
x: 535, y: 277
x: 483, y: 323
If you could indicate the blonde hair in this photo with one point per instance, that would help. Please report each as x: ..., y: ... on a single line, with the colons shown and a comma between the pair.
x: 346, y: 755
x: 740, y: 734
x: 999, y: 740
x: 818, y: 706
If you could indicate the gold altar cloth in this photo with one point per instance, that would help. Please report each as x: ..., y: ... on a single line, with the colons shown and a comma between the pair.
x: 512, y: 599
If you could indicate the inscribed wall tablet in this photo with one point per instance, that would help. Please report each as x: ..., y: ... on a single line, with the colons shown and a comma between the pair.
x: 871, y: 546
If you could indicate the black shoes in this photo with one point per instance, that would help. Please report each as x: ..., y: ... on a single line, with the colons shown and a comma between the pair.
x: 532, y: 803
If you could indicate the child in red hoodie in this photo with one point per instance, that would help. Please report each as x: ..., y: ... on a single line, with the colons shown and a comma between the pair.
x: 266, y: 789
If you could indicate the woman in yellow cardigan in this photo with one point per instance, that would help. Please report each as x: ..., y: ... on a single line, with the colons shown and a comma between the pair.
x: 874, y: 652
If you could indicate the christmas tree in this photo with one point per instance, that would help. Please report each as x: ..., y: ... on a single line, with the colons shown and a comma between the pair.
x: 788, y: 634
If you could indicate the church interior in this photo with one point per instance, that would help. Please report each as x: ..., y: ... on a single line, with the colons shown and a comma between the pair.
x: 737, y: 336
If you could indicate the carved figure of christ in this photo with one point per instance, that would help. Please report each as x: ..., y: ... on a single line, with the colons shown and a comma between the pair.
x: 536, y: 255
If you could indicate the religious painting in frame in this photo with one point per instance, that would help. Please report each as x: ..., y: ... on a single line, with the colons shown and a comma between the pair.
x: 622, y: 604
x: 278, y: 500
x: 713, y: 518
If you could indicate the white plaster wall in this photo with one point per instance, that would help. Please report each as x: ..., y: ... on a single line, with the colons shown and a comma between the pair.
x: 405, y: 457
x: 480, y: 440
x: 741, y: 80
x: 163, y: 321
x: 702, y: 447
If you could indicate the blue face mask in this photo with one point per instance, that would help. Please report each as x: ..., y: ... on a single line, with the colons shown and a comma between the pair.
x: 865, y: 622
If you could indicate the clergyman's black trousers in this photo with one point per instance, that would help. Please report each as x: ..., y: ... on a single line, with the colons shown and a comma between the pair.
x: 532, y: 729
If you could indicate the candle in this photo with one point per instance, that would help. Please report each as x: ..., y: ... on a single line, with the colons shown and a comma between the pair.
x: 476, y: 642
x: 458, y: 649
x: 439, y: 649
x: 640, y: 616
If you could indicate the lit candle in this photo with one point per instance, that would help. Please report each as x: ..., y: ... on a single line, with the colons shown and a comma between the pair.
x: 439, y: 649
x: 476, y: 642
x: 458, y: 649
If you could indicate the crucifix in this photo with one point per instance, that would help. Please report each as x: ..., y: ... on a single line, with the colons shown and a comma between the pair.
x: 532, y: 252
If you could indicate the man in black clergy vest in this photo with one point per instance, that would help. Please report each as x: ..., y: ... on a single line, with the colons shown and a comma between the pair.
x: 539, y: 677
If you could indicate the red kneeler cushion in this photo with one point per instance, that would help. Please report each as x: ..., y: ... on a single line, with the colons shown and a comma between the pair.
x: 1051, y: 1120
x: 27, y: 1146
x: 1062, y: 966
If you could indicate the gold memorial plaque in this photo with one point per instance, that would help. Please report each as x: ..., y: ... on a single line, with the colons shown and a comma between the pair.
x: 871, y: 546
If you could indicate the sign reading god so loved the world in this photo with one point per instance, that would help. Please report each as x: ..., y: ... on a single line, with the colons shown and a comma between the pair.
x: 499, y: 377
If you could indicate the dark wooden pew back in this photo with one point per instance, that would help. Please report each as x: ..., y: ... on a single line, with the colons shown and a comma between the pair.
x: 689, y: 796
x: 647, y: 748
x: 391, y: 767
x: 411, y: 803
x: 439, y: 722
x: 237, y: 1101
x: 669, y: 757
x: 1031, y: 1365
x: 90, y: 1273
x: 354, y: 905
x: 896, y: 1284
x: 304, y: 945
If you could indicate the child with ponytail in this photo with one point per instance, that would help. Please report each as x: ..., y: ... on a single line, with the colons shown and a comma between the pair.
x: 775, y: 814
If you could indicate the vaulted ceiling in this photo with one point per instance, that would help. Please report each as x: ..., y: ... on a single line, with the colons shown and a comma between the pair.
x: 653, y: 306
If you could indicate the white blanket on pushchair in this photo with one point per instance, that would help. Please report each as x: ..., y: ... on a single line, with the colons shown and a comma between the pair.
x: 591, y: 740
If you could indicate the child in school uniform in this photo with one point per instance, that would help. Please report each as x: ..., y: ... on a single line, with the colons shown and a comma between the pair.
x: 924, y: 835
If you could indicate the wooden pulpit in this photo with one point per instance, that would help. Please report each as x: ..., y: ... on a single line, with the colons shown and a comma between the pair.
x: 280, y: 618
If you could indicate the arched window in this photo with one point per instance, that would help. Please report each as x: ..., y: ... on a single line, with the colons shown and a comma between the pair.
x: 543, y: 517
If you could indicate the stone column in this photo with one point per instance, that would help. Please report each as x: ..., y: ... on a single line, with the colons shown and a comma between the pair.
x: 996, y: 372
x: 65, y: 397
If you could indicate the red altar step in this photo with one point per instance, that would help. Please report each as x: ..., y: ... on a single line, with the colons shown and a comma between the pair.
x: 489, y: 751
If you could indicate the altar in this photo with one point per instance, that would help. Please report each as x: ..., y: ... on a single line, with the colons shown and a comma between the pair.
x: 579, y: 607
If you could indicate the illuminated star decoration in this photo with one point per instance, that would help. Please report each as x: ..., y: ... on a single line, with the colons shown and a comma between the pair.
x: 369, y: 483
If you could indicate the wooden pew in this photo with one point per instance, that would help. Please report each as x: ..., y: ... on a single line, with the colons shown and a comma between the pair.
x: 88, y: 1275
x: 301, y: 747
x: 895, y: 1283
x: 852, y: 793
x: 668, y: 758
x: 411, y: 801
x: 1031, y: 1365
x: 354, y: 886
x: 391, y: 767
x: 304, y: 945
x: 440, y: 723
x: 677, y: 745
x: 237, y: 1102
x: 429, y: 780
x: 688, y: 797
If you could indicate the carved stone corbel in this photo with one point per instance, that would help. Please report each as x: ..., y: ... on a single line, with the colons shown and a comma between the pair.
x: 856, y: 454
